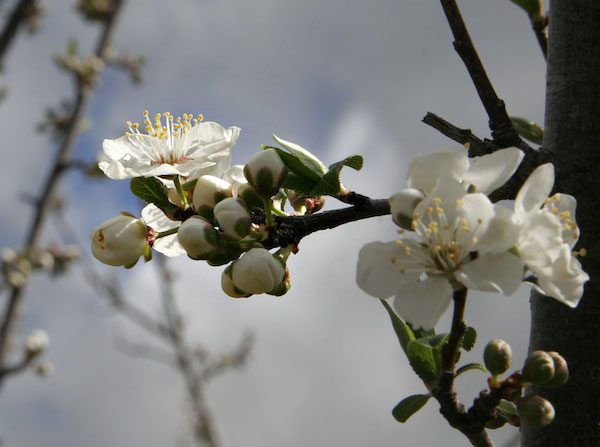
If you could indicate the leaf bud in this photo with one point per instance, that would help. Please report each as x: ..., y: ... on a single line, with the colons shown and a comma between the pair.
x: 306, y: 205
x: 120, y: 241
x: 561, y: 370
x: 538, y: 368
x: 233, y: 217
x: 497, y: 356
x: 198, y: 237
x: 265, y: 171
x: 535, y: 411
x: 402, y: 206
x: 257, y: 271
x: 209, y: 191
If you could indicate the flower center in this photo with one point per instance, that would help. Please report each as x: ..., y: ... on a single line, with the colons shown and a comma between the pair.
x: 163, y: 140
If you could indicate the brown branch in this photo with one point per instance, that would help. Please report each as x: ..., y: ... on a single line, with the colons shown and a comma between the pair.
x: 14, y: 21
x: 502, y: 129
x: 61, y: 159
x: 539, y: 26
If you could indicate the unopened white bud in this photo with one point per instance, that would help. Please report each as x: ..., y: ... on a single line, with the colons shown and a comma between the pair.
x: 266, y: 172
x: 36, y: 343
x: 209, y: 191
x: 535, y: 411
x: 198, y: 237
x: 120, y: 240
x: 403, y: 204
x: 229, y: 287
x: 233, y: 217
x: 257, y: 271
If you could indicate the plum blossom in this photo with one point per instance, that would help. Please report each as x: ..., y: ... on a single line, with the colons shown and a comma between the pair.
x: 178, y: 146
x: 460, y: 239
x: 548, y: 232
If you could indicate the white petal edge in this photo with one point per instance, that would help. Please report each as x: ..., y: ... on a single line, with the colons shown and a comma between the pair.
x: 535, y: 190
x: 425, y: 170
x: 502, y: 273
x: 422, y: 303
x: 488, y: 172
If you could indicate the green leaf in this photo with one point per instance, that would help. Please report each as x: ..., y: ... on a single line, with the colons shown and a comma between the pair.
x: 528, y: 129
x: 403, y: 332
x: 330, y: 184
x: 297, y: 167
x: 409, y: 406
x: 151, y: 190
x: 298, y: 184
x: 469, y: 339
x: 531, y: 7
x: 423, y: 360
x: 421, y: 333
x: 304, y: 156
x: 469, y: 367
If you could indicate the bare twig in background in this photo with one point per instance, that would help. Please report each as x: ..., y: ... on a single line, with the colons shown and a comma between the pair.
x: 61, y: 159
x: 17, y: 17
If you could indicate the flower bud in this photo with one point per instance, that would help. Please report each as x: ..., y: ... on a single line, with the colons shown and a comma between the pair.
x: 229, y: 287
x: 253, y: 200
x: 497, y: 356
x: 209, y: 191
x: 535, y: 411
x: 174, y: 197
x: 266, y: 172
x: 538, y: 368
x: 284, y: 286
x: 36, y: 343
x: 306, y: 205
x: 233, y: 217
x: 257, y: 271
x: 402, y: 206
x: 120, y: 241
x: 226, y: 254
x: 198, y: 237
x: 561, y: 370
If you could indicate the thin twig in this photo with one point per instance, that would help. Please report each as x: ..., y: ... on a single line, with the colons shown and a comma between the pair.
x: 502, y: 129
x: 204, y: 426
x: 61, y: 159
x: 16, y: 18
x: 539, y: 26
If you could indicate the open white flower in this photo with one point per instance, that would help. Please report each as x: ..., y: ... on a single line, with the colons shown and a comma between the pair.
x: 459, y: 239
x: 187, y: 147
x: 156, y: 219
x: 548, y: 232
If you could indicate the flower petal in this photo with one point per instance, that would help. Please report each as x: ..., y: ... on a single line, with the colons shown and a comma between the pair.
x: 535, y: 190
x: 502, y: 272
x: 156, y: 219
x: 488, y: 172
x: 501, y: 233
x: 376, y: 274
x: 422, y: 303
x: 425, y: 170
x: 116, y: 149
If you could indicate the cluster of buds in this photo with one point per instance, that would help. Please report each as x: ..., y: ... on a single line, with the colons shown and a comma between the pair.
x: 96, y: 10
x: 17, y: 266
x: 85, y: 69
x: 547, y: 369
x: 130, y: 63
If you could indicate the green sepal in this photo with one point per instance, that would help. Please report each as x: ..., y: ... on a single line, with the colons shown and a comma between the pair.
x: 147, y: 253
x: 189, y: 185
x: 128, y: 266
x: 330, y: 184
x: 507, y: 409
x: 403, y: 331
x: 531, y: 7
x: 151, y: 190
x: 528, y: 129
x: 470, y: 367
x: 422, y: 359
x: 469, y: 338
x: 409, y: 406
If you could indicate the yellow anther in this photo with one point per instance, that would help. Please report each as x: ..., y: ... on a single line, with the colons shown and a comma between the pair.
x: 436, y: 201
x: 200, y: 117
x: 135, y: 125
x: 460, y: 203
x: 129, y: 123
x: 429, y: 210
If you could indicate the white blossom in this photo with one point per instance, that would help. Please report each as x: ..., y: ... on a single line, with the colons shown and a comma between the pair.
x: 187, y: 147
x: 37, y: 342
x: 156, y: 219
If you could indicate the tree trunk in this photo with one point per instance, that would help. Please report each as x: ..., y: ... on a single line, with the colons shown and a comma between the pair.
x: 573, y: 137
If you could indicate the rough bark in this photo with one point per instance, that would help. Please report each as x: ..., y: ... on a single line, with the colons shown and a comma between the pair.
x: 573, y: 136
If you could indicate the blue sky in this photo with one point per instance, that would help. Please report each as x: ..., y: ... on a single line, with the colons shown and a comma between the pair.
x: 338, y: 77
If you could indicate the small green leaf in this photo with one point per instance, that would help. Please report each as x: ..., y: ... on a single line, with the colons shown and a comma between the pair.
x: 409, y: 406
x: 330, y: 184
x: 528, y: 129
x: 298, y: 184
x: 403, y: 332
x: 531, y: 7
x: 151, y: 190
x: 297, y: 167
x: 304, y: 156
x: 469, y: 367
x: 421, y: 333
x: 422, y: 358
x: 469, y: 339
x: 507, y: 409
